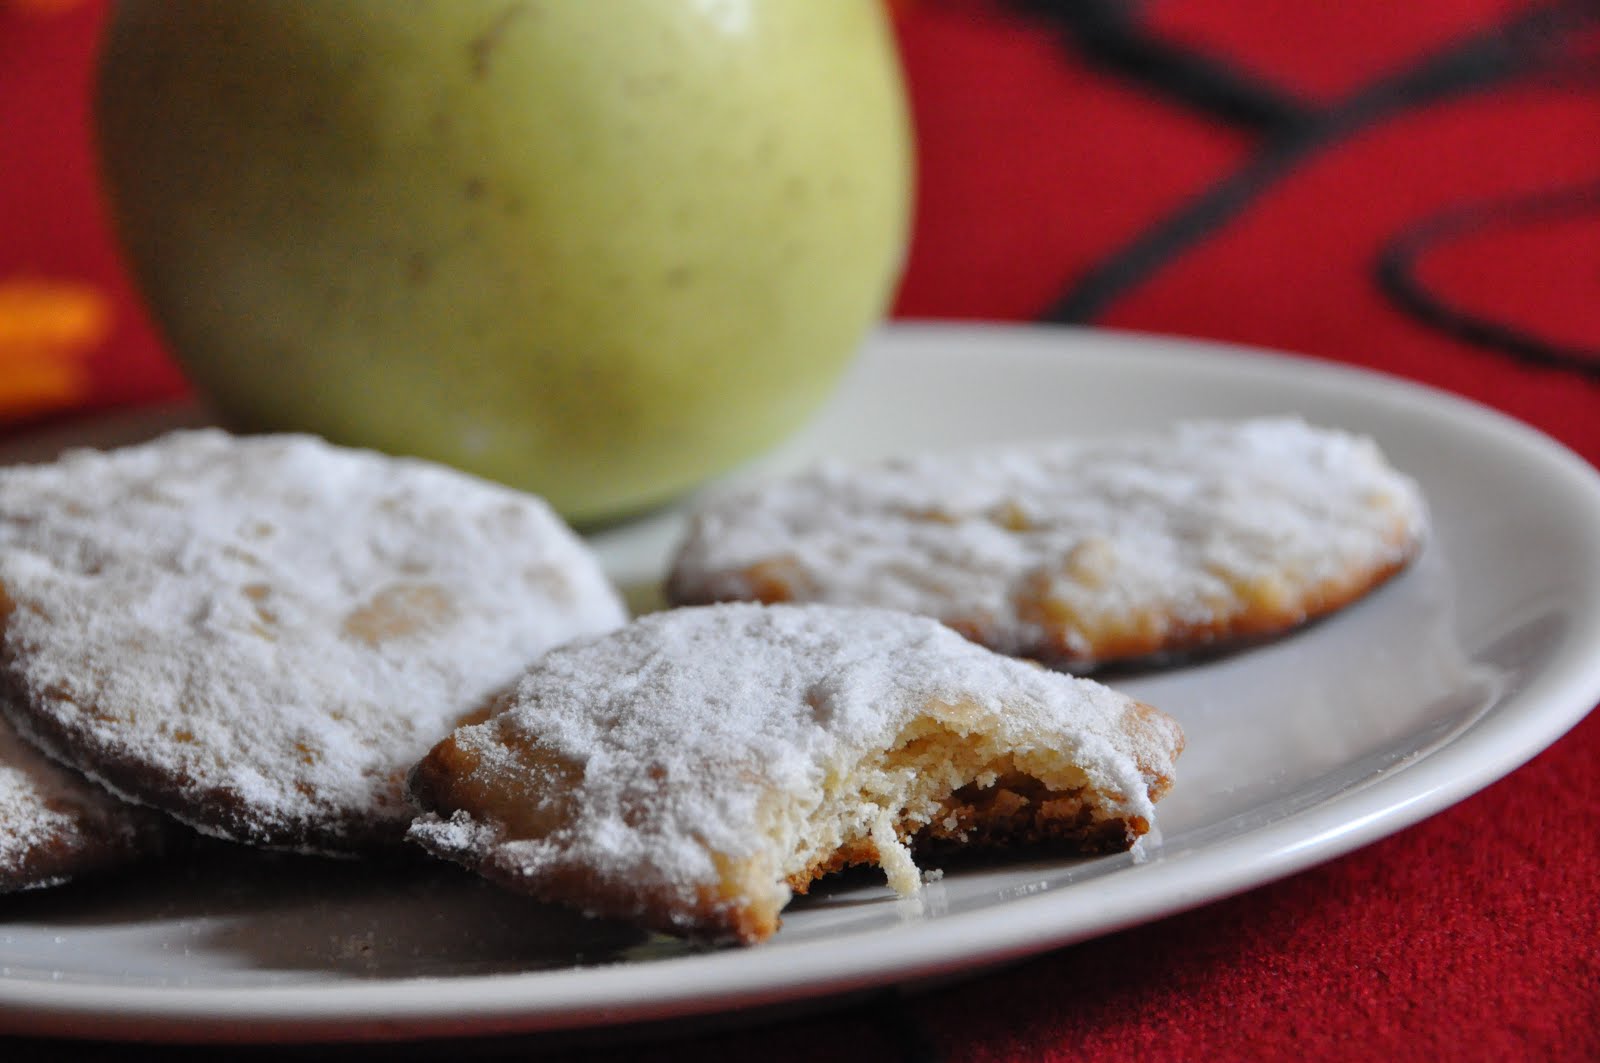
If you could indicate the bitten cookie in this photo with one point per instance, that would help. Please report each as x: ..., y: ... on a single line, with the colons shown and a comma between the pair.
x: 1077, y: 554
x: 260, y: 635
x: 55, y: 825
x: 691, y: 770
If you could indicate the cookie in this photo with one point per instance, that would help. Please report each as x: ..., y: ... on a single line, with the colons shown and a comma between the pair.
x: 56, y: 826
x: 692, y: 770
x: 260, y: 635
x: 1077, y: 554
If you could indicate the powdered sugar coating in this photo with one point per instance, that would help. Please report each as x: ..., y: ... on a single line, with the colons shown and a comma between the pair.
x: 650, y: 761
x: 56, y: 825
x: 260, y: 635
x: 1068, y: 550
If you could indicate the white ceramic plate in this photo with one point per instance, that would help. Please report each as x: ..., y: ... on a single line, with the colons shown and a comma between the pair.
x: 1440, y: 683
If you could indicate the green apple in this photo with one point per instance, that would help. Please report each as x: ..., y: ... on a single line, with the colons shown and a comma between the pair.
x: 597, y: 249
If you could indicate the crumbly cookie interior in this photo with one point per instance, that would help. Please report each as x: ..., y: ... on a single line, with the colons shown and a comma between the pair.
x: 938, y: 785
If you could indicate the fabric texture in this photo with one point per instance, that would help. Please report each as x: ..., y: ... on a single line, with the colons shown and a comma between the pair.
x: 1409, y: 187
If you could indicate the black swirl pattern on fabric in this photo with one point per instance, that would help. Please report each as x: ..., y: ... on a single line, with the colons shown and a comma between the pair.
x: 1399, y: 278
x: 1540, y: 41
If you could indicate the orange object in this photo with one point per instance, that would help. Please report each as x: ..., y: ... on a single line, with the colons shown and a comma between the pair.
x: 47, y: 329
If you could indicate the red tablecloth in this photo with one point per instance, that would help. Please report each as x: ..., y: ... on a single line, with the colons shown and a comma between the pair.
x: 1413, y: 187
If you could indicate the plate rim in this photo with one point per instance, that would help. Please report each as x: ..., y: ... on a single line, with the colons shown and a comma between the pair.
x: 1517, y: 726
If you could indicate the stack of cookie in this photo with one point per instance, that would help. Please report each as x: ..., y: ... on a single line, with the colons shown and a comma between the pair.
x: 290, y: 645
x: 260, y: 636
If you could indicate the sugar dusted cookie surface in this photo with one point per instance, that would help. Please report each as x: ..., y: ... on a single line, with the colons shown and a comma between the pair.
x: 692, y: 769
x: 1077, y: 553
x: 261, y: 635
x: 55, y: 825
